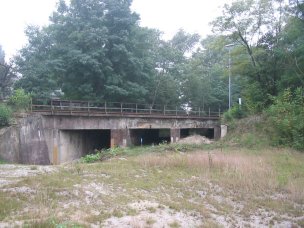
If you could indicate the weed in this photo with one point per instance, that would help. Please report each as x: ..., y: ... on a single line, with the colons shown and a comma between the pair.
x: 8, y: 204
x: 90, y: 158
x: 150, y: 221
x: 33, y: 168
x: 151, y: 209
x: 117, y: 213
x: 174, y: 224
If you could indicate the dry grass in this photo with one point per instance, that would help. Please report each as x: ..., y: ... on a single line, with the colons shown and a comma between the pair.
x: 210, y: 184
x: 295, y: 188
x: 234, y: 170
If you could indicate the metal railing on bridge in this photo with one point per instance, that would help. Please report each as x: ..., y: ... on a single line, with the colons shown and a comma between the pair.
x: 74, y: 107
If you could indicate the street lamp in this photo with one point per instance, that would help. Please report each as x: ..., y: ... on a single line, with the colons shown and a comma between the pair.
x: 229, y: 46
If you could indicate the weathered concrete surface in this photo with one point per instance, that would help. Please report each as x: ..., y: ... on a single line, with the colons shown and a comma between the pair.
x: 224, y: 130
x: 56, y: 139
x: 25, y: 143
x: 82, y: 122
x: 9, y: 144
x: 175, y: 134
x: 120, y: 137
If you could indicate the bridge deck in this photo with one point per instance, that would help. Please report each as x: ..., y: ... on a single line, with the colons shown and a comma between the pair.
x: 110, y: 109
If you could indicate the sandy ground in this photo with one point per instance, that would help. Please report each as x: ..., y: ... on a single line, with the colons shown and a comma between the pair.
x: 13, y: 173
x: 195, y: 139
x: 147, y: 213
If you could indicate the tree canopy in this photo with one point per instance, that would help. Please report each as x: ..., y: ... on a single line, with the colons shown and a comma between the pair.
x: 90, y: 50
x: 96, y: 50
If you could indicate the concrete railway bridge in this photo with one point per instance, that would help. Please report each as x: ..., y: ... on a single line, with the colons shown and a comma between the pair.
x: 59, y: 131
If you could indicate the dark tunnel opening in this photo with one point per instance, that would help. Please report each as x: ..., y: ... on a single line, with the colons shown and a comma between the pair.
x: 79, y: 143
x: 207, y: 132
x: 149, y: 136
x: 97, y: 139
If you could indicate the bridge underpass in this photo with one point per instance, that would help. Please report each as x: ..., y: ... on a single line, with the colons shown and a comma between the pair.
x: 56, y: 133
x: 78, y: 143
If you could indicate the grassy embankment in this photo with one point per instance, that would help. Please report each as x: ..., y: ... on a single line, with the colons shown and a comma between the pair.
x: 238, y: 181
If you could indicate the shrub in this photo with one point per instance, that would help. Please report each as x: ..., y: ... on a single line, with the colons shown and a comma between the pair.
x: 101, y: 155
x: 286, y: 116
x: 20, y: 100
x: 90, y: 158
x: 236, y: 112
x: 5, y: 115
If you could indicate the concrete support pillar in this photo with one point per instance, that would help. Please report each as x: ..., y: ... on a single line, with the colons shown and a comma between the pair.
x: 174, y: 134
x: 120, y: 137
x: 54, y: 156
x: 217, y: 132
x: 224, y: 130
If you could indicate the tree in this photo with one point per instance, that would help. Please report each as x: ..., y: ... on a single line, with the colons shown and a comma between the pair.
x: 92, y: 49
x: 7, y: 76
x: 257, y: 26
x: 171, y: 56
x: 206, y: 75
x: 292, y: 49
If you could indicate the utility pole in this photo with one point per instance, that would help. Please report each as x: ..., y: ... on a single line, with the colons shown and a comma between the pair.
x: 229, y: 46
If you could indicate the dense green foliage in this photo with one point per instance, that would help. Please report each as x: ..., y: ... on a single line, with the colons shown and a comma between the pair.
x: 287, y: 117
x: 101, y: 155
x: 7, y: 76
x: 268, y: 54
x: 236, y: 112
x: 19, y: 100
x: 5, y: 115
x: 96, y: 50
x: 91, y: 50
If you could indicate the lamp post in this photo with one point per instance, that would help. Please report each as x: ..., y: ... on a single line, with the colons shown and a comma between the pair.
x: 229, y: 46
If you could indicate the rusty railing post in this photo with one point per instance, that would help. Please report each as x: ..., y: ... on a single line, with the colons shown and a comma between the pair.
x: 121, y: 108
x: 31, y: 104
x: 52, y: 107
x: 209, y: 111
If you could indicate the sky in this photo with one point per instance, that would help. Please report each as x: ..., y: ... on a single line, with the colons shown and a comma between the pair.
x: 166, y: 15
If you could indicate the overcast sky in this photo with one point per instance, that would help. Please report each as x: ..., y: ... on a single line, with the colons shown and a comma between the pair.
x: 165, y: 15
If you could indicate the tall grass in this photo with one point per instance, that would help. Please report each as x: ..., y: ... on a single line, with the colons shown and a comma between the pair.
x: 236, y: 170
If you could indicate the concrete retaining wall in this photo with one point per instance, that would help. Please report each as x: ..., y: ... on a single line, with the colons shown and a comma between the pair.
x: 25, y: 143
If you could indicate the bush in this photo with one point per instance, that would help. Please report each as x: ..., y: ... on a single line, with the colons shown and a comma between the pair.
x: 101, y: 155
x: 90, y: 158
x: 20, y: 100
x: 286, y: 116
x: 236, y: 112
x: 5, y: 115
